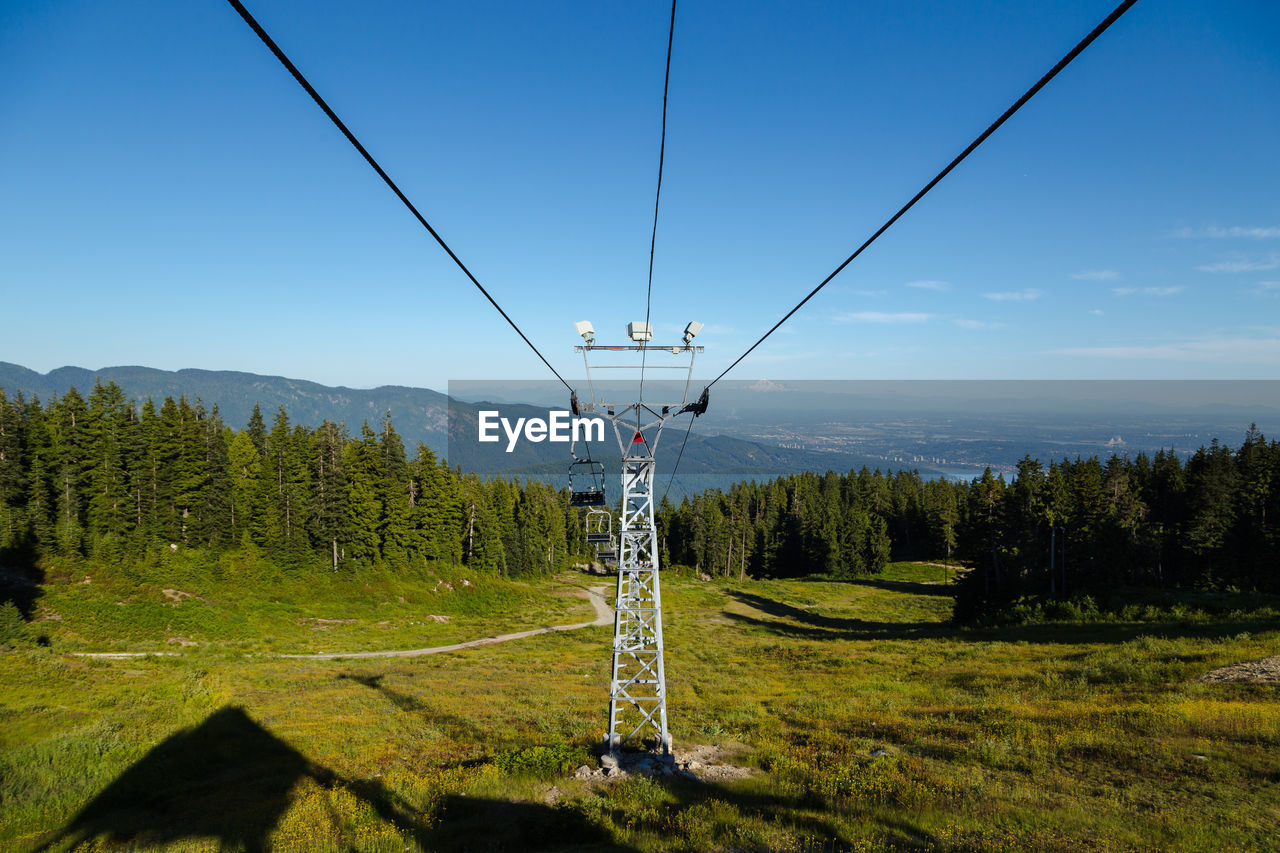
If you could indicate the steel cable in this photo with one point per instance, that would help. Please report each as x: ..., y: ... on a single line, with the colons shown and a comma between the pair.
x: 320, y: 102
x: 982, y: 137
x: 662, y: 150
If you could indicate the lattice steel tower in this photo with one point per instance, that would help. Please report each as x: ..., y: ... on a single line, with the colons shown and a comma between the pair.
x: 638, y: 688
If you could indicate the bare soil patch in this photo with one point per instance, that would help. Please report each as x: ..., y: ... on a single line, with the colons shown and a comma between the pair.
x: 698, y: 762
x: 1264, y: 671
x: 325, y: 624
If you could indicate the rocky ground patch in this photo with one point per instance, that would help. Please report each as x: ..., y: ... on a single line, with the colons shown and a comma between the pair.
x: 1265, y: 671
x: 698, y: 762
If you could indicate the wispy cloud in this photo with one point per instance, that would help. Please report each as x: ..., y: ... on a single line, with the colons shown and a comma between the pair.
x: 930, y: 284
x: 881, y: 317
x: 1147, y: 291
x: 1029, y: 295
x: 965, y: 323
x: 1216, y: 232
x: 1268, y: 288
x: 1096, y: 275
x: 1220, y: 350
x: 1246, y: 265
x: 774, y: 356
x: 1097, y: 312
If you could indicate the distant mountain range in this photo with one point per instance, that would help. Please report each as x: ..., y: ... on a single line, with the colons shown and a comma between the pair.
x: 419, y: 413
x: 423, y: 415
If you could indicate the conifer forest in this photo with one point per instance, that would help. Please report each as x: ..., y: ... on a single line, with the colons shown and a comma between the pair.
x: 115, y: 480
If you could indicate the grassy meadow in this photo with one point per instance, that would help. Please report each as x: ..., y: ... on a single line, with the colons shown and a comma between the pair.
x: 869, y: 722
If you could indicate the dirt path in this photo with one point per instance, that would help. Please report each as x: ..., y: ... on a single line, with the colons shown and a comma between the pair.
x: 123, y: 655
x: 604, y: 616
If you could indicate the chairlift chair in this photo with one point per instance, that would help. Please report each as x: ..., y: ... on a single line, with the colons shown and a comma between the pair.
x: 599, y: 526
x: 586, y: 483
x: 600, y: 535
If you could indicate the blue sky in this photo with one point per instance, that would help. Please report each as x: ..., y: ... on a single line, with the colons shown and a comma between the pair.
x: 170, y: 197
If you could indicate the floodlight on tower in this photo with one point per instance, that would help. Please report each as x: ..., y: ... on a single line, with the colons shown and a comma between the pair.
x: 640, y: 331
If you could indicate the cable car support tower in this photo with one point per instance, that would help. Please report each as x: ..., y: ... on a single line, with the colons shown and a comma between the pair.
x: 638, y: 690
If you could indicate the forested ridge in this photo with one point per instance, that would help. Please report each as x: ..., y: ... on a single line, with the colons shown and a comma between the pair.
x: 103, y: 478
x: 1211, y: 523
x: 1078, y: 527
x: 107, y: 479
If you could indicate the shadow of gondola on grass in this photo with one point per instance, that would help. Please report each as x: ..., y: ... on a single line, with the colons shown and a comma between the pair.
x: 230, y: 780
x: 460, y: 727
x: 403, y: 701
x: 227, y: 779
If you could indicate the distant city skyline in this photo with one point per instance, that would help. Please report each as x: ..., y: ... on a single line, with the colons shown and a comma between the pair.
x: 173, y: 199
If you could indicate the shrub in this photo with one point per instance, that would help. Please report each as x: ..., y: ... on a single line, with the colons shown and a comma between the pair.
x: 542, y: 762
x: 12, y: 628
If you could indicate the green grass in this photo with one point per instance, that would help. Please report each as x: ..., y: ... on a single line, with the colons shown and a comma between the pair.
x: 1033, y: 737
x: 100, y: 609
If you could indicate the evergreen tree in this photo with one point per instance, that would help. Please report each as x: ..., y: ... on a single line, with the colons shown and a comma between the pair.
x: 257, y: 430
x: 329, y: 518
x: 244, y: 473
x: 1212, y: 481
x: 398, y: 494
x: 190, y: 470
x: 107, y: 422
x: 71, y: 469
x: 216, y: 516
x: 361, y: 463
x: 14, y: 468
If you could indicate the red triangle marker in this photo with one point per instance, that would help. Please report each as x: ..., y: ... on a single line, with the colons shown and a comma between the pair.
x: 638, y: 438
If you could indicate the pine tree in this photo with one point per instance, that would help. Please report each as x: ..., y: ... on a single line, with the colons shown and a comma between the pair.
x: 13, y: 473
x: 284, y: 491
x: 217, y: 529
x: 1256, y: 464
x: 244, y: 472
x: 943, y: 513
x: 1125, y: 514
x: 190, y: 471
x: 361, y: 462
x: 257, y: 430
x: 71, y: 468
x: 398, y: 494
x: 107, y: 423
x: 1212, y: 481
x: 439, y: 515
x: 329, y: 517
x: 482, y: 533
